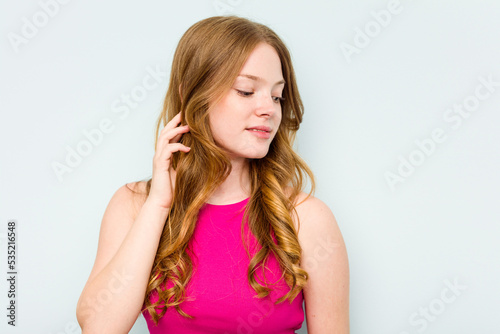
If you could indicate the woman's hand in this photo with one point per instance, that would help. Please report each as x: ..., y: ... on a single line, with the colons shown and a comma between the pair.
x: 161, y: 191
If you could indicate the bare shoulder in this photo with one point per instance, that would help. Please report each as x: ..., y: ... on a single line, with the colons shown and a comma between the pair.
x: 127, y: 201
x: 306, y: 202
x: 117, y: 219
x: 313, y: 213
x: 317, y: 222
x: 324, y: 257
x: 137, y: 195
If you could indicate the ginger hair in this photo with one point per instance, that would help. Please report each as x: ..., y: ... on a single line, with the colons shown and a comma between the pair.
x: 207, y: 61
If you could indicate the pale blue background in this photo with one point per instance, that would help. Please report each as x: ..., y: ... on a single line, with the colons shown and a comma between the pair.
x: 441, y: 224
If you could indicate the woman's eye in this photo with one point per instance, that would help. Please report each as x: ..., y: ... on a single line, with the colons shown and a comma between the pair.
x: 276, y: 99
x: 243, y: 93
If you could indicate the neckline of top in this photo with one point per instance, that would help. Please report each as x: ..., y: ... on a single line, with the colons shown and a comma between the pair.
x: 226, y: 205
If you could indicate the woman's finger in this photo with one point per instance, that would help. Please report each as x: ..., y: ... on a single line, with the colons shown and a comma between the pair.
x: 176, y: 132
x: 172, y: 136
x: 172, y: 123
x: 166, y: 153
x: 182, y: 130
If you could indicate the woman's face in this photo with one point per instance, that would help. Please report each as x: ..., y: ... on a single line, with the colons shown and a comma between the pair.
x: 252, y: 102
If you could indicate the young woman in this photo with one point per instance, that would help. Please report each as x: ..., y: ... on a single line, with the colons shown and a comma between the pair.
x: 222, y: 239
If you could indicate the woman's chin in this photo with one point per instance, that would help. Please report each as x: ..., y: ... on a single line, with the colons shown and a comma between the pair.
x: 252, y: 155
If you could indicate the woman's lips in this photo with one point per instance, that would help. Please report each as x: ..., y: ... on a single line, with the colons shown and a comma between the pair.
x: 260, y: 133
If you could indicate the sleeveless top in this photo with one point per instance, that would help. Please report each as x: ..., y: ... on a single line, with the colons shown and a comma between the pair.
x: 219, y: 296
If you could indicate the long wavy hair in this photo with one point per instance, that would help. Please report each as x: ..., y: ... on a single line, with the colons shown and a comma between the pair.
x: 206, y: 63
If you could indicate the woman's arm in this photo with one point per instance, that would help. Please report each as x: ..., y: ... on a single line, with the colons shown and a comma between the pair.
x: 324, y: 257
x: 113, y: 296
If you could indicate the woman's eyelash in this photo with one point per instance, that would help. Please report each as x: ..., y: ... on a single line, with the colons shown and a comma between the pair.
x: 246, y: 94
x: 243, y: 93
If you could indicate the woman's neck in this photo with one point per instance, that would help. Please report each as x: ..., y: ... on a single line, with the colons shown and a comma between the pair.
x: 236, y: 187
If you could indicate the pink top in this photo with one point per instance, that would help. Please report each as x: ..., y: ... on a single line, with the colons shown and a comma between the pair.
x: 218, y: 294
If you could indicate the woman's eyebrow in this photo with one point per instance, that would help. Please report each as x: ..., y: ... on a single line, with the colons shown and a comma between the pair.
x: 253, y: 77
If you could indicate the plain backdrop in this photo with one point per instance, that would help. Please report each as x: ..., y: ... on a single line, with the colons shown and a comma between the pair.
x: 400, y: 128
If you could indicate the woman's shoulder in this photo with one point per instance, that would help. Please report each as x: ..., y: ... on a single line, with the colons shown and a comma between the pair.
x: 133, y: 195
x: 304, y: 200
x: 138, y: 187
x: 312, y: 211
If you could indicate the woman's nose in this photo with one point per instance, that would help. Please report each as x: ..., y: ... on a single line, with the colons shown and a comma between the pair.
x: 266, y: 106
